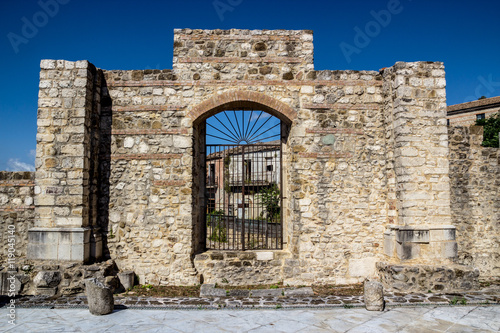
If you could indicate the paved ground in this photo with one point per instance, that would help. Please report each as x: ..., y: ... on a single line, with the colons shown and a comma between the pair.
x: 486, y: 296
x: 430, y: 318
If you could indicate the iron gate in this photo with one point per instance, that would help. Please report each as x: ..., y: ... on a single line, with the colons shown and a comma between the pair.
x: 244, y: 197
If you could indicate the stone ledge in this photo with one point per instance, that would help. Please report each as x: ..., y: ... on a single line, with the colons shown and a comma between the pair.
x: 422, y: 278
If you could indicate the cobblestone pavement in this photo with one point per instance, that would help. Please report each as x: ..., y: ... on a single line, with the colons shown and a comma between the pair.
x: 400, y: 319
x: 484, y: 297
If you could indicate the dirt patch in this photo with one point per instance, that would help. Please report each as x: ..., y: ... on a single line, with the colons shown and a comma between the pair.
x: 163, y: 291
x: 338, y: 290
x: 194, y: 291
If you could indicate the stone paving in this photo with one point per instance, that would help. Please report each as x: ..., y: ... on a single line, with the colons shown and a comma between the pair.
x: 401, y: 319
x: 484, y: 297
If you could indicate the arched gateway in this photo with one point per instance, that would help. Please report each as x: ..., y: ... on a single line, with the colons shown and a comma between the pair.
x: 240, y: 138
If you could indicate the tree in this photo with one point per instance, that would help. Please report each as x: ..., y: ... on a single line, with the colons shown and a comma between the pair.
x: 491, y: 128
x: 270, y: 198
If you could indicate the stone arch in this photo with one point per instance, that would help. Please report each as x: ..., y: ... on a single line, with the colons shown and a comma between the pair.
x: 242, y: 99
x: 232, y: 100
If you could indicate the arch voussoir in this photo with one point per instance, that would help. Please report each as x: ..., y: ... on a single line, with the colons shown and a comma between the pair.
x: 235, y: 98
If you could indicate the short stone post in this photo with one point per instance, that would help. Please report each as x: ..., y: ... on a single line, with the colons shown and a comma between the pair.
x: 374, y: 296
x: 99, y: 296
x: 127, y: 279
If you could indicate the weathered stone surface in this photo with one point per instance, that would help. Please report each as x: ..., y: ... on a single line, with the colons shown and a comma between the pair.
x: 127, y: 279
x: 209, y: 290
x: 47, y: 279
x: 267, y: 292
x: 373, y: 294
x: 99, y: 296
x: 304, y: 291
x: 415, y: 278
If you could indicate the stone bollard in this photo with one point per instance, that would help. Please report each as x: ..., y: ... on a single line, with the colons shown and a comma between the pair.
x: 127, y: 279
x: 374, y: 296
x: 99, y: 297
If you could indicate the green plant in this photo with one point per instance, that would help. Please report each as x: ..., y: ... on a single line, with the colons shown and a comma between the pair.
x: 348, y: 306
x: 463, y: 301
x: 273, y: 286
x: 279, y: 306
x: 224, y: 280
x: 219, y: 232
x: 491, y: 129
x: 147, y: 286
x: 270, y: 198
x: 111, y: 234
x: 454, y: 301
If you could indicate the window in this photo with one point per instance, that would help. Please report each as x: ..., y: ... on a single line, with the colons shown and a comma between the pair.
x: 248, y: 170
x: 480, y: 116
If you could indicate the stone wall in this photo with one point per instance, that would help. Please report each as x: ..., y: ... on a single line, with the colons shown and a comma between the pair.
x: 417, y: 128
x: 16, y: 213
x: 475, y: 199
x: 335, y: 183
x: 120, y: 156
x: 66, y: 163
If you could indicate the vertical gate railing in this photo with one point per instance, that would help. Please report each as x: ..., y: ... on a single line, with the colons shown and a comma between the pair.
x: 244, y: 199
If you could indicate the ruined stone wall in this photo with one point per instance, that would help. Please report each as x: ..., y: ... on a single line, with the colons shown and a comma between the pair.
x: 16, y: 213
x: 335, y: 183
x: 66, y: 162
x: 417, y: 130
x: 475, y: 199
x: 363, y: 152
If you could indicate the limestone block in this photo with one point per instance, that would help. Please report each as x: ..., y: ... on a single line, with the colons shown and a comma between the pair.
x: 99, y: 296
x: 373, y: 295
x: 209, y: 290
x: 127, y: 279
x: 265, y: 255
x: 364, y: 267
x: 47, y: 279
x: 412, y: 235
x: 407, y: 250
x: 47, y: 64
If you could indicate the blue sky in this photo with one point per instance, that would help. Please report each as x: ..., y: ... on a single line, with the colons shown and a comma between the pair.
x: 139, y: 35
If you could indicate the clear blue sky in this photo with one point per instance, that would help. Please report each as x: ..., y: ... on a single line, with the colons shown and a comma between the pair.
x: 139, y: 34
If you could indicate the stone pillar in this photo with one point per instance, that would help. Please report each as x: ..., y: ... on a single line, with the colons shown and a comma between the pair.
x: 417, y: 105
x: 67, y: 140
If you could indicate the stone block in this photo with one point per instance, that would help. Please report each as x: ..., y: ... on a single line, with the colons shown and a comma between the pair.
x: 99, y: 296
x: 47, y: 279
x: 127, y: 279
x: 47, y: 64
x: 209, y: 290
x: 449, y: 249
x: 265, y: 255
x: 304, y: 291
x: 46, y: 291
x: 267, y: 292
x: 364, y: 267
x: 412, y: 235
x: 407, y: 250
x: 373, y: 295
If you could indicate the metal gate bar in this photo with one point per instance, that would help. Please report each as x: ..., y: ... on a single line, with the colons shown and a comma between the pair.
x: 243, y: 189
